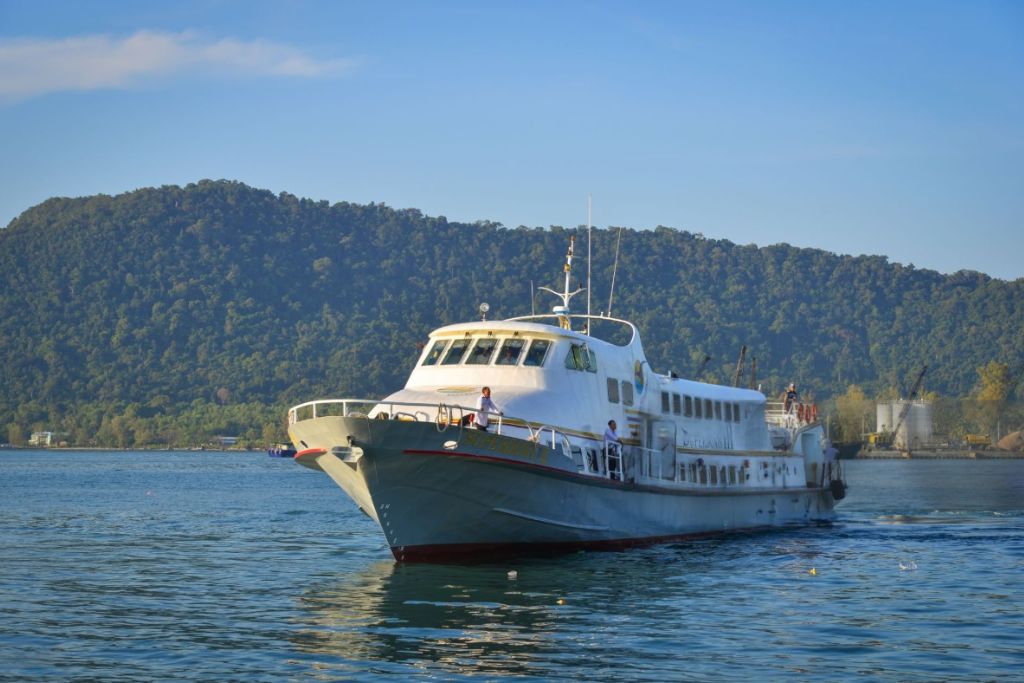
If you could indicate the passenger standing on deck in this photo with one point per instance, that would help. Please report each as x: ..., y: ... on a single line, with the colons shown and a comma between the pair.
x: 485, y: 405
x: 791, y: 397
x: 612, y: 449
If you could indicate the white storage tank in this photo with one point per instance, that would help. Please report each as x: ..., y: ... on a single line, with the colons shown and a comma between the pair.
x: 884, y: 421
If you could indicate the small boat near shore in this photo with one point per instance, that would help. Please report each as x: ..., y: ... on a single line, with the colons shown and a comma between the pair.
x: 281, y: 450
x: 693, y: 458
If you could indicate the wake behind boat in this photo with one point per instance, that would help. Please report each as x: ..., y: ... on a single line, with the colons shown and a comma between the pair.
x: 692, y: 458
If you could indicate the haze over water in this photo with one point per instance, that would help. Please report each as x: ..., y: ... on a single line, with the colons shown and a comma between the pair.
x: 234, y: 566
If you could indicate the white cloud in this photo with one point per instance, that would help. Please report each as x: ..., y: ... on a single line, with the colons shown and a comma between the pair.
x: 32, y: 67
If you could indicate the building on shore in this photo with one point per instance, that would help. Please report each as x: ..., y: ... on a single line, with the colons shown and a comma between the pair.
x: 916, y: 429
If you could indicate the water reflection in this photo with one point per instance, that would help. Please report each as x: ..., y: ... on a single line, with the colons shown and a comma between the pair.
x: 569, y: 616
x: 464, y: 618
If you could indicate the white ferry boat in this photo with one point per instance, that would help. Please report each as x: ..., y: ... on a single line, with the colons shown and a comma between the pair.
x: 695, y: 458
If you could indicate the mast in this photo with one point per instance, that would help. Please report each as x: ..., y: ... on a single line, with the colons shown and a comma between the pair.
x: 563, y: 311
x: 589, y: 283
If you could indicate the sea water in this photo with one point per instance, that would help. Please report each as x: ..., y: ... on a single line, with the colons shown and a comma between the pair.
x: 143, y: 566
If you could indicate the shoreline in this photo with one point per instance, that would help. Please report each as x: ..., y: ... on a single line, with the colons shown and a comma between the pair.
x: 939, y: 455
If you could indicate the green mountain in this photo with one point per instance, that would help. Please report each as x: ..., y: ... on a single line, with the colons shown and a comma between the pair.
x: 163, y: 301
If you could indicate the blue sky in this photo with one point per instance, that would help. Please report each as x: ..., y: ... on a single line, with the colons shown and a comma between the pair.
x: 892, y: 128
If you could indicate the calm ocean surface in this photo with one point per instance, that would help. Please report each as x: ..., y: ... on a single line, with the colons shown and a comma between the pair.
x: 238, y: 567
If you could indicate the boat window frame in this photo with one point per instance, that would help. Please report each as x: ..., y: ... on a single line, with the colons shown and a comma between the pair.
x: 613, y: 390
x: 735, y: 412
x: 627, y: 393
x: 543, y: 356
x: 718, y: 410
x: 473, y: 353
x: 443, y: 343
x: 501, y: 350
x: 465, y: 341
x: 676, y: 404
x: 581, y: 358
x: 727, y: 407
x: 698, y: 411
x: 665, y: 402
x: 709, y: 410
x: 687, y: 405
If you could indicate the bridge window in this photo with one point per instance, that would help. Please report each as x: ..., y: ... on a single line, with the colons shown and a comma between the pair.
x: 707, y: 409
x: 664, y: 402
x: 537, y: 353
x: 627, y: 393
x: 435, y: 352
x: 481, y: 353
x: 698, y: 405
x: 688, y: 405
x: 735, y: 412
x: 718, y: 410
x: 728, y: 412
x: 675, y: 404
x: 613, y: 390
x: 510, y: 352
x: 581, y: 358
x: 455, y: 352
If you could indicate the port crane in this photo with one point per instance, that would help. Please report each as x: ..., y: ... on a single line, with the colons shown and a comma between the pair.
x: 906, y: 410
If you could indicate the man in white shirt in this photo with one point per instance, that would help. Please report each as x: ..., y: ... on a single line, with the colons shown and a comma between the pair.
x: 485, y: 405
x: 613, y: 449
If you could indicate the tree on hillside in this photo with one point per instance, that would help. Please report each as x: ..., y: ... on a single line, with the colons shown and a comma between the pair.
x: 991, y: 394
x: 853, y: 414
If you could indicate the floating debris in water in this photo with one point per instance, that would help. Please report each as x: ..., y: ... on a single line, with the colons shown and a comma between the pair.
x: 560, y: 601
x: 813, y: 572
x: 513, y: 575
x: 908, y: 567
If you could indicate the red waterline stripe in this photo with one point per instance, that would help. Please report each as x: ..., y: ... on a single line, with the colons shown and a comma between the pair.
x: 489, y: 551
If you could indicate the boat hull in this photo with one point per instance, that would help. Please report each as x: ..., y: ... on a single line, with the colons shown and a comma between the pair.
x: 459, y: 493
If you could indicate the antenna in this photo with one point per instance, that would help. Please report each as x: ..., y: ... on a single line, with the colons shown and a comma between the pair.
x: 739, y: 366
x: 703, y: 364
x: 614, y: 269
x: 533, y: 300
x: 589, y: 283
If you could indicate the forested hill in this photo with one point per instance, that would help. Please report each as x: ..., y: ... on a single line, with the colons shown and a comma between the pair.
x: 222, y: 293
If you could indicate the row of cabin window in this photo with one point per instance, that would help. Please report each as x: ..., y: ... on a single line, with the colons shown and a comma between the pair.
x: 444, y: 352
x: 693, y: 406
x: 710, y: 474
x: 613, y: 391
